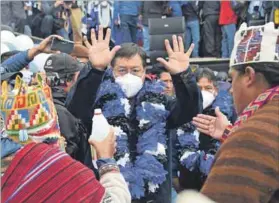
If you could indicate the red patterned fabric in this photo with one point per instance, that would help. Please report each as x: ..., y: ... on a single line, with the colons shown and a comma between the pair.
x: 261, y: 100
x: 249, y: 47
x: 40, y: 173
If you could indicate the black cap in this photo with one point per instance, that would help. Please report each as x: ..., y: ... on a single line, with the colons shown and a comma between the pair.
x: 62, y: 64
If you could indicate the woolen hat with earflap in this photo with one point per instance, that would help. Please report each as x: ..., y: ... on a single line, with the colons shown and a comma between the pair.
x: 255, y: 44
x: 29, y: 113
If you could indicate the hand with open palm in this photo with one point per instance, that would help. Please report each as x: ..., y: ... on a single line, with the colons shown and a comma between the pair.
x: 179, y: 61
x: 210, y: 125
x: 100, y: 55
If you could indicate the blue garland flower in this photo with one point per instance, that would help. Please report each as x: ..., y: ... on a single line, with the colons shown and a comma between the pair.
x: 188, y: 142
x: 148, y: 167
x: 133, y: 176
x: 191, y: 161
x: 151, y: 169
x: 150, y: 138
x: 206, y: 162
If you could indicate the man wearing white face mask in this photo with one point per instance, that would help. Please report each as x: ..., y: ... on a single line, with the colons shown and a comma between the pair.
x: 136, y: 107
x: 193, y: 177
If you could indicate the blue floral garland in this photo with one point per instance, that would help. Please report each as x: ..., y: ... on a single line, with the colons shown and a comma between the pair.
x: 190, y: 155
x: 146, y: 173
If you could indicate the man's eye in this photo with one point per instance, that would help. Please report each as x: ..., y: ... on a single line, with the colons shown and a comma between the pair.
x: 135, y: 70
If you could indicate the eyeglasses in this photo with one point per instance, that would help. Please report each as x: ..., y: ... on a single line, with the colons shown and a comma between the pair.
x: 120, y: 71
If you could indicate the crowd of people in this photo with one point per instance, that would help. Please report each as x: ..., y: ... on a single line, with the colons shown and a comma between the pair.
x: 210, y: 25
x: 177, y: 134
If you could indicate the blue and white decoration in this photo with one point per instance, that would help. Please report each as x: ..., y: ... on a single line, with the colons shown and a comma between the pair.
x: 145, y: 172
x: 188, y: 139
x: 190, y: 156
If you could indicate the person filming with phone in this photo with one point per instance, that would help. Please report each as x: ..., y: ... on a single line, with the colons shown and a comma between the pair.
x: 56, y: 18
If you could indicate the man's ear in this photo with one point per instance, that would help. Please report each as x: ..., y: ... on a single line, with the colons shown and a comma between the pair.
x: 249, y: 76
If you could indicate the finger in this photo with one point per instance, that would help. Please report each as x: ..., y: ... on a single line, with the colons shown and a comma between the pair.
x: 181, y: 44
x: 51, y: 52
x: 218, y: 112
x: 93, y: 37
x: 200, y: 125
x: 206, y: 117
x: 87, y: 44
x: 203, y: 131
x: 163, y: 62
x: 114, y: 50
x: 101, y: 34
x: 190, y: 50
x: 56, y: 36
x: 175, y: 43
x: 202, y: 121
x: 108, y: 34
x: 168, y: 47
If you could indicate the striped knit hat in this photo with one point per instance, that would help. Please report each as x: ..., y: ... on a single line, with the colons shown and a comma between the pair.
x: 255, y: 44
x: 29, y: 113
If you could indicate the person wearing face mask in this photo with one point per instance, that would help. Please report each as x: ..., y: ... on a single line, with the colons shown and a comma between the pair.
x: 195, y: 159
x: 135, y: 106
x: 247, y: 162
x: 208, y: 86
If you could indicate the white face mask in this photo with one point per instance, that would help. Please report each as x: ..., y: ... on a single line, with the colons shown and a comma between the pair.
x: 208, y: 98
x: 130, y: 84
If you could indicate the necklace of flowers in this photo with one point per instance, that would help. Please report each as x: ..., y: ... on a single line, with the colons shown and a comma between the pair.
x: 188, y: 142
x: 146, y: 173
x: 189, y: 154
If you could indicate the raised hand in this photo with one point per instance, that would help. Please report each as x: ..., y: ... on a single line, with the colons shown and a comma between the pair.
x: 210, y: 125
x: 100, y: 55
x: 179, y: 61
x: 44, y: 47
x: 58, y: 3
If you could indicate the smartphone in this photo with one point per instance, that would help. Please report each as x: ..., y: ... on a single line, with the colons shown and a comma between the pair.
x: 64, y: 46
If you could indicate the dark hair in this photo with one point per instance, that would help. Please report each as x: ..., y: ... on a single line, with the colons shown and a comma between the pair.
x: 129, y: 50
x: 222, y: 76
x: 207, y: 73
x: 270, y: 71
x: 157, y: 70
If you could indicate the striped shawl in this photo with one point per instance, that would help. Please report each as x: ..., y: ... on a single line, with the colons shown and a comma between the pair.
x: 40, y: 173
x: 246, y: 169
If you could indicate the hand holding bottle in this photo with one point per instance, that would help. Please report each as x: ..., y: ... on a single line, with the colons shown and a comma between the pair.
x: 106, y: 148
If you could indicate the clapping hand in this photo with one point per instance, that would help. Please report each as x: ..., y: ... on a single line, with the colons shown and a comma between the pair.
x: 179, y: 61
x: 212, y: 126
x: 100, y: 55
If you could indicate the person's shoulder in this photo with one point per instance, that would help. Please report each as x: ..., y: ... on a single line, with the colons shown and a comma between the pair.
x: 64, y: 115
x: 257, y: 137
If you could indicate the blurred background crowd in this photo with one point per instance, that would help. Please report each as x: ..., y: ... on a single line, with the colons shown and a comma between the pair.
x: 210, y: 25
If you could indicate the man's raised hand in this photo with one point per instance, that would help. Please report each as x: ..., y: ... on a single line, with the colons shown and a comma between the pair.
x: 179, y: 61
x: 100, y: 55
